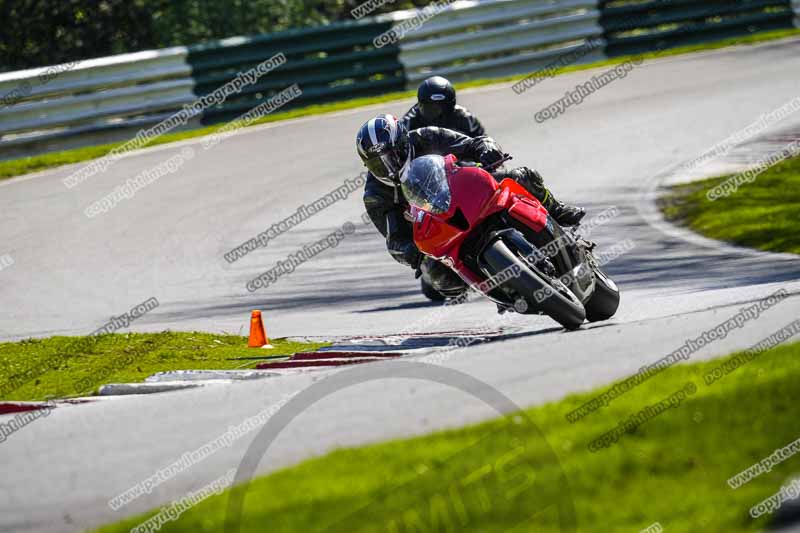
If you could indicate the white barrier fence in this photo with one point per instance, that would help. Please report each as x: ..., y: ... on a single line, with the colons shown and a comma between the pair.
x: 489, y: 38
x: 106, y: 99
x: 49, y: 106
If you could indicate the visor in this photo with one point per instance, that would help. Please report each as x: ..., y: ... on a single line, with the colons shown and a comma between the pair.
x: 431, y: 110
x: 426, y: 185
x: 386, y: 166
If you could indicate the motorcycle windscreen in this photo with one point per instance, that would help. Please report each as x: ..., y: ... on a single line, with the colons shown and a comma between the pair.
x: 425, y: 185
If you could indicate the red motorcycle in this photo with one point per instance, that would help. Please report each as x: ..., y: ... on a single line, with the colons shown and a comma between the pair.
x: 500, y: 240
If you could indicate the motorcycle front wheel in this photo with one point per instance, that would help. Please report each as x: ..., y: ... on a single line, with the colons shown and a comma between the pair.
x: 539, y: 291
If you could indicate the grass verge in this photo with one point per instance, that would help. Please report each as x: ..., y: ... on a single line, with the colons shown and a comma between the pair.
x: 60, y: 367
x: 17, y: 167
x: 763, y: 214
x: 491, y: 477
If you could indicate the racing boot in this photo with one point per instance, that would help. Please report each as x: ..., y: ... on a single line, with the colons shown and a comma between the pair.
x: 430, y: 292
x: 439, y: 282
x: 565, y: 215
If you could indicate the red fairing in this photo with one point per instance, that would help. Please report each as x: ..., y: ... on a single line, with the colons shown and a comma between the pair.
x: 523, y: 206
x: 472, y: 190
x: 529, y: 212
x: 433, y: 235
x: 476, y: 194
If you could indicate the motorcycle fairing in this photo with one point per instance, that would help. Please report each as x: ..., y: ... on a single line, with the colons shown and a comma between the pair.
x: 476, y: 195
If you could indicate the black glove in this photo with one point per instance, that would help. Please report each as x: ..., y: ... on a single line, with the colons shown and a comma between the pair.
x: 490, y: 157
x: 489, y: 152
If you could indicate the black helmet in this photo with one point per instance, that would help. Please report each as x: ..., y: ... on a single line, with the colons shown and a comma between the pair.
x: 382, y: 144
x: 436, y: 97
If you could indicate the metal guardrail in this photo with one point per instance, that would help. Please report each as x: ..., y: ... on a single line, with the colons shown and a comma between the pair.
x: 638, y: 27
x: 108, y: 99
x: 114, y: 87
x: 495, y: 38
x: 48, y: 107
x: 93, y: 74
x: 330, y: 62
x: 103, y: 100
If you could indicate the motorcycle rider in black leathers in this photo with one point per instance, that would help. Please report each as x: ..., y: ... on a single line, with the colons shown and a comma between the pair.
x: 386, y: 148
x: 436, y: 106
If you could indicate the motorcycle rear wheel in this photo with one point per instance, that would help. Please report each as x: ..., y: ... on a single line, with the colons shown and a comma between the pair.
x: 604, y: 302
x: 569, y: 312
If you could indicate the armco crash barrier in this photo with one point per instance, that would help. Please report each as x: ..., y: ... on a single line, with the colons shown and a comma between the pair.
x: 638, y: 27
x: 111, y: 98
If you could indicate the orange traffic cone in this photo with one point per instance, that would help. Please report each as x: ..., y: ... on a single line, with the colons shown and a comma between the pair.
x: 258, y: 338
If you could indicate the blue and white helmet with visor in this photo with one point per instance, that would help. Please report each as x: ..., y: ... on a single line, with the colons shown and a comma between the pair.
x: 382, y: 144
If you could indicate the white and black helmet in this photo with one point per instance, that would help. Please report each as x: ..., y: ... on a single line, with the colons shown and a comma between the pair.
x: 382, y: 144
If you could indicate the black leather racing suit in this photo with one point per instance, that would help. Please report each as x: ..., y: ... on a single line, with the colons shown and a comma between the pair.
x: 460, y: 120
x: 386, y: 204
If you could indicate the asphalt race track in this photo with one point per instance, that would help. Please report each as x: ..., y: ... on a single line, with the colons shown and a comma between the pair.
x: 71, y: 273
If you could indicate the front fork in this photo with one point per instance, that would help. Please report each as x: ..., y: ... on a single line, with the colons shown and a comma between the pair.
x: 565, y: 257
